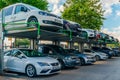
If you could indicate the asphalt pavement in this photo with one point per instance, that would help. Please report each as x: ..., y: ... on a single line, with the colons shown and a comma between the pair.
x: 100, y: 70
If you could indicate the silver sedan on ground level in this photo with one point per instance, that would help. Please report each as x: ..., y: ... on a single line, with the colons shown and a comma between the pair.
x: 98, y: 55
x: 30, y: 62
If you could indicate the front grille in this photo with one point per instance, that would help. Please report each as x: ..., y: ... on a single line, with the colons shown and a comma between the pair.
x: 74, y: 58
x: 45, y: 71
x: 91, y: 34
x: 54, y: 64
x: 90, y: 57
x: 55, y: 70
x: 52, y: 22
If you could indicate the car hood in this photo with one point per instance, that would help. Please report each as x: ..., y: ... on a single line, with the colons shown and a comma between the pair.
x: 67, y: 54
x: 43, y: 59
x: 89, y: 54
x: 80, y: 55
x: 101, y: 53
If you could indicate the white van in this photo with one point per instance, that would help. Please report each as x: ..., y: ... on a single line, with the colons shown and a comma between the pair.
x: 23, y: 16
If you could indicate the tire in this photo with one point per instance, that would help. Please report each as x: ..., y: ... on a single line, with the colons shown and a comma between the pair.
x: 32, y: 22
x: 82, y: 61
x: 30, y: 71
x: 62, y: 64
x: 97, y: 58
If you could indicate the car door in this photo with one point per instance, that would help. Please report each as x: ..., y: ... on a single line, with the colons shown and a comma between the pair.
x: 7, y: 16
x: 17, y: 63
x: 20, y: 15
x: 7, y: 57
x: 14, y: 63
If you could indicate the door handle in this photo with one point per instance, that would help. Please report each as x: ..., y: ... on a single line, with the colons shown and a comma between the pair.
x: 13, y: 17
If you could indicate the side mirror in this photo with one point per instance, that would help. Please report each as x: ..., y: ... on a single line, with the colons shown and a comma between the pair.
x: 21, y: 57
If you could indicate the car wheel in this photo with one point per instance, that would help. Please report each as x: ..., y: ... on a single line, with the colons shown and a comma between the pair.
x: 97, y: 58
x: 32, y: 22
x: 82, y: 61
x: 62, y: 64
x: 30, y: 71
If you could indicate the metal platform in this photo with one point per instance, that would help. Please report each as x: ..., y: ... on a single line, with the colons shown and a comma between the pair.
x: 46, y: 35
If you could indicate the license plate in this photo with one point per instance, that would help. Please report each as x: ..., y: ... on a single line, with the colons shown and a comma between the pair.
x: 56, y: 20
x: 77, y: 61
x: 55, y: 67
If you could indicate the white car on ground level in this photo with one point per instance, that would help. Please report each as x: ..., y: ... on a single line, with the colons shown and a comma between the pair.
x: 30, y: 62
x: 98, y: 55
x: 90, y: 33
x: 23, y: 16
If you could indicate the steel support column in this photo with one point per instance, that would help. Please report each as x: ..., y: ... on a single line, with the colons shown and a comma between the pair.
x: 1, y: 50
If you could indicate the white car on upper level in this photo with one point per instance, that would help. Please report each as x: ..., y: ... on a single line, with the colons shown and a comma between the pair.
x: 24, y: 16
x: 90, y: 33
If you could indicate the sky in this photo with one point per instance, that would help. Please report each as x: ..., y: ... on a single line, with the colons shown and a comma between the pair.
x: 111, y: 24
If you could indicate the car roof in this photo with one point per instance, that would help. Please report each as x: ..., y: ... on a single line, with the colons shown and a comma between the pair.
x: 14, y: 5
x: 30, y: 5
x: 18, y: 49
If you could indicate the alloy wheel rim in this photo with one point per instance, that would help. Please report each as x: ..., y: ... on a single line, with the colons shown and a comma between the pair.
x: 30, y: 71
x: 32, y: 23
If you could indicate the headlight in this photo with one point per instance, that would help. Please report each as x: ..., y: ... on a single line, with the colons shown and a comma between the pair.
x: 68, y: 58
x: 42, y: 13
x: 43, y: 64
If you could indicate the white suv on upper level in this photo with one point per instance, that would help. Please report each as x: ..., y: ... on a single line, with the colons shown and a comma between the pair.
x: 90, y: 32
x: 23, y: 16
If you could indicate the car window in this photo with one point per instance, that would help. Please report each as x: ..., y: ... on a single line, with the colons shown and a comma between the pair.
x: 8, y: 11
x: 18, y: 9
x: 8, y: 53
x: 32, y: 53
x: 48, y: 50
x: 16, y: 53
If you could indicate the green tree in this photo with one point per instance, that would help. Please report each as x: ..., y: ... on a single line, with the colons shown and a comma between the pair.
x: 19, y: 42
x: 41, y: 4
x: 88, y: 13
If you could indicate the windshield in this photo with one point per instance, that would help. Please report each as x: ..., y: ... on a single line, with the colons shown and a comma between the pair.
x: 96, y: 48
x: 87, y: 50
x: 32, y: 53
x: 90, y: 30
x: 106, y: 48
x: 32, y: 7
x: 59, y: 49
x: 72, y: 51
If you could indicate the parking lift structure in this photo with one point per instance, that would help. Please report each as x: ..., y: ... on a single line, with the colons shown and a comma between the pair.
x: 1, y: 49
x: 36, y: 33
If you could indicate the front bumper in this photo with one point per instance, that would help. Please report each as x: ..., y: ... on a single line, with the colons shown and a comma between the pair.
x: 103, y: 57
x: 47, y: 70
x: 90, y: 61
x: 72, y: 63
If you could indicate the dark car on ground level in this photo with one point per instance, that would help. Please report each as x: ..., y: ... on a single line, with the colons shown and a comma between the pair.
x: 84, y: 58
x: 116, y: 51
x: 57, y: 52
